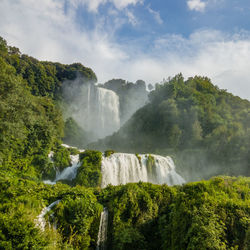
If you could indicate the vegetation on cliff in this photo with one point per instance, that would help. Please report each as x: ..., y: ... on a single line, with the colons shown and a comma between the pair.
x: 190, y: 119
x: 31, y: 121
x: 211, y: 214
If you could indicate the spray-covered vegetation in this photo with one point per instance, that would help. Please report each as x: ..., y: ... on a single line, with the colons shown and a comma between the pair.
x: 132, y: 96
x: 190, y: 119
x: 107, y: 153
x: 74, y: 134
x: 31, y: 122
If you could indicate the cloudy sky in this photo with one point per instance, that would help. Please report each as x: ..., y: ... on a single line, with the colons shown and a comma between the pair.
x: 137, y: 39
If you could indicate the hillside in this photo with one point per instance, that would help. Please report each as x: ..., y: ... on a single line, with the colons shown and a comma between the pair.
x: 194, y: 121
x: 31, y: 120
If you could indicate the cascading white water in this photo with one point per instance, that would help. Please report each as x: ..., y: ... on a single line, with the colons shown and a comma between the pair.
x: 103, y: 230
x: 122, y: 168
x: 108, y: 118
x: 97, y: 111
x: 40, y: 221
x: 68, y: 173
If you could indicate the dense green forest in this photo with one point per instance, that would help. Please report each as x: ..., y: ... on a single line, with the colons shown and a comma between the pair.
x: 31, y: 121
x: 211, y: 214
x: 181, y: 115
x: 195, y: 122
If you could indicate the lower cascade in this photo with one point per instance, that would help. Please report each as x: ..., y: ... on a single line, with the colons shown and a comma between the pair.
x: 68, y: 173
x: 40, y: 221
x: 103, y: 230
x: 116, y: 169
x: 120, y: 168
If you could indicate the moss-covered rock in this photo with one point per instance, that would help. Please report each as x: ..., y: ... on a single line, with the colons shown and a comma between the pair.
x: 109, y: 152
x: 151, y: 168
x: 138, y: 157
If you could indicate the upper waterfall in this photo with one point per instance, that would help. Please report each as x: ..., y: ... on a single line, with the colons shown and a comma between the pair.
x: 97, y: 111
x: 108, y: 118
x: 120, y: 168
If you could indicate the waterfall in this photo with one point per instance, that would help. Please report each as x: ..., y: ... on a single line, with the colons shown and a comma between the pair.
x: 122, y: 168
x: 40, y: 221
x: 97, y: 111
x: 108, y: 118
x: 103, y: 230
x: 68, y: 173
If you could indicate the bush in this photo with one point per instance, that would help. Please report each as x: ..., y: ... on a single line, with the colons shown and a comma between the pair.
x: 89, y: 173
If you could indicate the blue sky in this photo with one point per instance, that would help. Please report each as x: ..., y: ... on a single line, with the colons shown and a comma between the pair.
x: 137, y: 39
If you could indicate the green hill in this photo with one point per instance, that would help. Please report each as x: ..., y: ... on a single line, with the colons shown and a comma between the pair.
x: 31, y: 121
x: 194, y: 121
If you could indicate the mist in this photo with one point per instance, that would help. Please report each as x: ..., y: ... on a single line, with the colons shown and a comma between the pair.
x: 100, y: 109
x: 204, y: 129
x: 40, y: 31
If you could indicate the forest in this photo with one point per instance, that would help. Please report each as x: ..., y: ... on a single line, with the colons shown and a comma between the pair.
x: 192, y: 120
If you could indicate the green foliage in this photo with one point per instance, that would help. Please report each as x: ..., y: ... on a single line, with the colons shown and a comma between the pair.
x: 73, y: 151
x: 211, y: 214
x: 77, y: 215
x: 107, y: 153
x: 61, y: 157
x: 151, y: 168
x: 44, y: 78
x: 89, y: 173
x: 133, y: 211
x: 190, y: 115
x: 18, y: 232
x: 31, y: 123
x: 78, y: 219
x: 205, y: 215
x: 138, y: 157
x: 74, y: 134
x: 20, y: 203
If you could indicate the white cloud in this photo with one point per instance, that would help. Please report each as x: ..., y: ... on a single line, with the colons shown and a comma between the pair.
x: 196, y: 5
x: 131, y: 18
x: 93, y: 5
x: 48, y: 33
x: 156, y: 15
x: 120, y: 4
